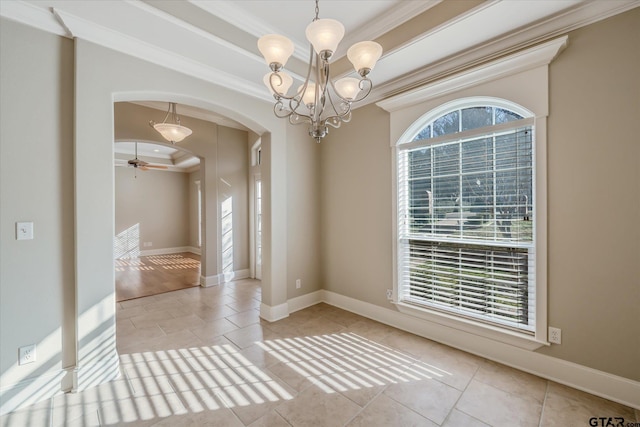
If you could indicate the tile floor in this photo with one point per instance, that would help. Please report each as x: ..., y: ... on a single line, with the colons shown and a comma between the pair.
x: 202, y: 357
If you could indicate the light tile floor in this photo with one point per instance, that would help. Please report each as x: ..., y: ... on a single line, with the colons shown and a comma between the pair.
x: 202, y: 357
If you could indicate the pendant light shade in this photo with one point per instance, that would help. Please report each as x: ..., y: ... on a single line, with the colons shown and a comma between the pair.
x: 172, y: 132
x: 309, y: 95
x: 348, y: 87
x: 276, y: 50
x: 364, y: 56
x: 324, y: 35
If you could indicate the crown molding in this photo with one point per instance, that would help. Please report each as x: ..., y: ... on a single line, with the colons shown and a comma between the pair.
x: 401, y: 13
x: 518, y: 62
x: 33, y: 16
x: 582, y: 15
x: 118, y: 41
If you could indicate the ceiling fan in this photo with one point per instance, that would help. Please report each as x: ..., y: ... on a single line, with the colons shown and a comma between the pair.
x: 141, y: 164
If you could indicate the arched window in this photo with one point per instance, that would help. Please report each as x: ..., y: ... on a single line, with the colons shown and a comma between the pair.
x: 466, y: 203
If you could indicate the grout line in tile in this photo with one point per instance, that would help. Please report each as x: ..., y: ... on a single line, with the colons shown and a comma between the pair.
x: 368, y: 403
x: 544, y: 403
x: 454, y: 406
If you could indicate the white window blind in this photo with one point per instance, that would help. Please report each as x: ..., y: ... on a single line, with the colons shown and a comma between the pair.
x: 466, y: 225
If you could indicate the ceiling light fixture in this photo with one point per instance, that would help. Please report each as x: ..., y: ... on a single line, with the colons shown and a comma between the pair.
x: 172, y: 132
x: 318, y: 101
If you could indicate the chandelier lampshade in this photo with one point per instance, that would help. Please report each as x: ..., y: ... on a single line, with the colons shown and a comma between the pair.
x: 348, y: 87
x: 309, y: 95
x: 325, y: 35
x: 172, y: 132
x: 276, y: 50
x: 364, y: 56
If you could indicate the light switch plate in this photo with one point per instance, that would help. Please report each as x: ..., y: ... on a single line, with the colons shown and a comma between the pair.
x: 24, y: 230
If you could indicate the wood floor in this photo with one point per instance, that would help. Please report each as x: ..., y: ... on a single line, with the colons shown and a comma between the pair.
x: 156, y: 274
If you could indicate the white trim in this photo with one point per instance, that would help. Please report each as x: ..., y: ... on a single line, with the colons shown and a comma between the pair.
x: 125, y: 43
x: 168, y: 251
x: 29, y: 391
x: 599, y: 383
x: 586, y: 13
x: 274, y: 313
x: 304, y: 301
x: 206, y: 281
x: 222, y: 278
x: 235, y: 275
x: 516, y: 63
x: 34, y: 16
x: 502, y: 335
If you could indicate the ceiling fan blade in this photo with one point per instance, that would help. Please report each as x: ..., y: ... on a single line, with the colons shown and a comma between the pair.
x: 143, y: 168
x: 156, y: 166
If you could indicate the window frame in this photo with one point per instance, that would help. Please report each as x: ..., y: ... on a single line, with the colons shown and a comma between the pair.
x: 506, y: 335
x: 407, y: 143
x: 522, y: 78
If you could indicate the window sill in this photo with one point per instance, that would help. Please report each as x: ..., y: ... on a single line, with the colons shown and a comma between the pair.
x: 520, y: 340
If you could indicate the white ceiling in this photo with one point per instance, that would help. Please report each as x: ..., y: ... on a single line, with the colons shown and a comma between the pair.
x: 216, y: 40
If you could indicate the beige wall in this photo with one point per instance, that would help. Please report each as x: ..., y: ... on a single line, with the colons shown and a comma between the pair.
x: 594, y: 197
x: 157, y: 203
x: 593, y: 203
x: 303, y: 214
x: 356, y: 208
x: 36, y: 184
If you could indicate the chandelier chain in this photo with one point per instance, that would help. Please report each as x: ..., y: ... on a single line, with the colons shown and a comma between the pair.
x: 317, y: 11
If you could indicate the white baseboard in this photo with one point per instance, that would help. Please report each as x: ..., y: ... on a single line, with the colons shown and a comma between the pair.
x: 29, y: 391
x: 206, y: 281
x: 274, y: 313
x: 220, y: 279
x: 169, y: 251
x: 599, y: 383
x: 304, y: 301
x: 236, y: 275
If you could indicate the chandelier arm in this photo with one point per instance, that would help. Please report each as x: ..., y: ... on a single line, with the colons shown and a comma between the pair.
x: 306, y: 80
x: 304, y: 119
x: 339, y: 117
x: 364, y: 91
x: 278, y: 108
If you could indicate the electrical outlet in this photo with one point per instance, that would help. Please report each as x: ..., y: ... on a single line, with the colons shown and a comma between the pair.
x: 390, y: 294
x: 27, y: 354
x: 298, y: 283
x: 24, y: 230
x: 555, y: 335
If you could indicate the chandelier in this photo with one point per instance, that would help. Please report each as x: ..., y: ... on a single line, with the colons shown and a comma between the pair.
x: 319, y: 101
x: 172, y: 132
